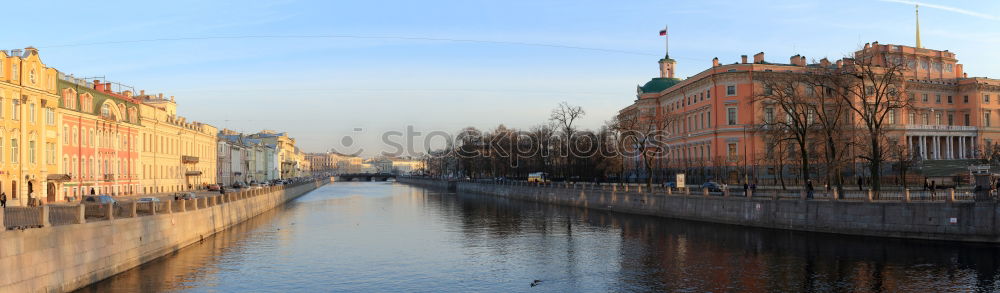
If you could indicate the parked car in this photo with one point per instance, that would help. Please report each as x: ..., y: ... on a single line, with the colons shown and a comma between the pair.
x: 713, y: 186
x: 239, y: 185
x: 670, y: 184
x: 185, y: 196
x: 148, y: 199
x: 214, y: 187
x: 99, y: 199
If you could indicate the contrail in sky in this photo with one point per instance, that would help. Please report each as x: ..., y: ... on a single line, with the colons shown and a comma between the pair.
x: 947, y: 8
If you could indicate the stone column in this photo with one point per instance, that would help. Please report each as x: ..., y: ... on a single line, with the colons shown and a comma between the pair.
x: 937, y: 147
x: 951, y: 147
x: 169, y: 206
x: 909, y: 144
x: 81, y: 214
x: 133, y: 209
x: 923, y: 147
x: 45, y: 216
x: 109, y: 211
x: 961, y: 147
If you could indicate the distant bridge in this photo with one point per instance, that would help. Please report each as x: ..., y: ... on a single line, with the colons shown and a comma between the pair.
x: 365, y: 177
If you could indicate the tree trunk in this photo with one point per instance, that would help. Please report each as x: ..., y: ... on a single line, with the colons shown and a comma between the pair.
x: 876, y: 163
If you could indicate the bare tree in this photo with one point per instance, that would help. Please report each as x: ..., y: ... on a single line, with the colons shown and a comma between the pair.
x: 872, y: 89
x: 786, y: 92
x: 642, y: 134
x: 832, y: 117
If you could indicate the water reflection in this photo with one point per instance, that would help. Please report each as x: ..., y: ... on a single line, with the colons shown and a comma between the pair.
x: 385, y: 237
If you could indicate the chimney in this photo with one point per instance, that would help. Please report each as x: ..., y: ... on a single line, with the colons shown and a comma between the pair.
x: 794, y: 60
x: 960, y: 71
x: 30, y: 50
x: 824, y: 62
x: 715, y: 62
x: 15, y: 52
x: 142, y: 92
x: 160, y: 95
x: 867, y: 45
x: 758, y: 58
x: 171, y: 98
x: 744, y: 58
x: 965, y: 75
x: 127, y: 94
x: 840, y: 63
x: 98, y: 86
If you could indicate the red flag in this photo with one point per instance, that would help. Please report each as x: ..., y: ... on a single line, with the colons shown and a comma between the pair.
x: 663, y: 32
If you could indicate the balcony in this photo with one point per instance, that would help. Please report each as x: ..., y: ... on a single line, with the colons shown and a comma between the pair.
x: 192, y: 173
x: 109, y: 177
x: 189, y: 159
x: 939, y: 127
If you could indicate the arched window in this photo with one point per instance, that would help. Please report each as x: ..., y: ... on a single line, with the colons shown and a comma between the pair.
x: 105, y: 111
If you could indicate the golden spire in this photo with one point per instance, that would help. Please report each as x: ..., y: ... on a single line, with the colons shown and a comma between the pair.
x: 918, y: 26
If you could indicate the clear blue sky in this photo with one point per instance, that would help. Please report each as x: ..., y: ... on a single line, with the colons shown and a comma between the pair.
x: 320, y: 89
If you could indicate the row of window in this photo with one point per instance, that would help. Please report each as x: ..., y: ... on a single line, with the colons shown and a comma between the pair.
x: 15, y: 152
x: 86, y: 168
x: 703, y: 152
x: 15, y: 111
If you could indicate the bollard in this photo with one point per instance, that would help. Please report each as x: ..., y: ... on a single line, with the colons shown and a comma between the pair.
x: 639, y: 188
x: 836, y: 195
x: 802, y: 195
x: 614, y: 188
x: 109, y: 211
x: 152, y: 208
x: 869, y: 196
x: 45, y: 216
x: 749, y: 193
x: 133, y: 209
x: 626, y: 187
x: 906, y: 195
x: 704, y: 191
x: 169, y: 205
x: 670, y: 191
x: 183, y: 205
x: 951, y: 195
x: 81, y: 214
x: 687, y: 191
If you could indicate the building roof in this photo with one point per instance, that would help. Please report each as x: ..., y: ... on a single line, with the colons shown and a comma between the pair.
x: 659, y: 84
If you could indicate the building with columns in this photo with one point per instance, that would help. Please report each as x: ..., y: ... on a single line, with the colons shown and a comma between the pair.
x: 716, y: 118
x: 29, y: 135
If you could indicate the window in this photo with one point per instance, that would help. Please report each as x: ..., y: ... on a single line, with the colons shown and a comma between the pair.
x: 105, y: 110
x: 967, y: 119
x: 809, y: 116
x: 937, y: 99
x: 965, y: 99
x: 948, y: 68
x: 949, y: 100
x: 891, y: 114
x: 986, y: 118
x: 15, y: 107
x: 937, y: 118
x: 31, y: 112
x: 986, y: 98
x: 14, y: 151
x: 731, y: 115
x: 951, y: 119
x: 66, y: 134
x: 31, y: 151
x: 913, y: 118
x: 730, y: 90
x: 708, y: 117
x: 731, y: 151
x: 926, y: 118
x: 50, y: 153
x: 768, y: 90
x: 50, y: 117
x: 923, y: 97
x: 769, y: 115
x: 708, y: 94
x: 1, y: 149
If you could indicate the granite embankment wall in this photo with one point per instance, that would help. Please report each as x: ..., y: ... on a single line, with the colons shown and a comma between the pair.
x: 936, y: 220
x: 66, y: 257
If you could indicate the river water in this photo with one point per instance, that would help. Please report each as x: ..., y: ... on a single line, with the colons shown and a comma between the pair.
x: 386, y: 237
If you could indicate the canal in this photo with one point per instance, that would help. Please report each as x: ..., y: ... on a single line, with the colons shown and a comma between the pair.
x: 385, y: 237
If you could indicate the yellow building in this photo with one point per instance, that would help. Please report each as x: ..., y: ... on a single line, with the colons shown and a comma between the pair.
x: 29, y: 136
x: 175, y: 154
x: 290, y: 159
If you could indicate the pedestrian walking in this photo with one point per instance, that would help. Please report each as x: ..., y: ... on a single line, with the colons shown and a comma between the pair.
x: 933, y: 189
x: 860, y: 188
x: 746, y: 188
x: 809, y: 189
x: 3, y: 200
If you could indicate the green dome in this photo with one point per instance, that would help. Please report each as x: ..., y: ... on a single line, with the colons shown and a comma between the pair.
x: 659, y: 84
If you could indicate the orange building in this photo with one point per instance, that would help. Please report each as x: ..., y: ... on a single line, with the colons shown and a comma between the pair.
x: 716, y: 118
x: 100, y: 126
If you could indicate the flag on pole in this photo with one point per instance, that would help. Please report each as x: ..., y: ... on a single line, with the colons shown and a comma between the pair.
x: 663, y: 32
